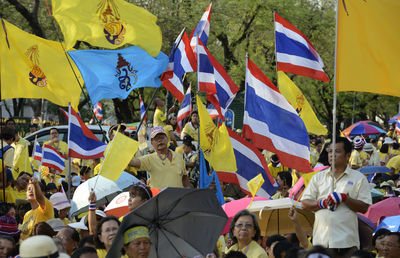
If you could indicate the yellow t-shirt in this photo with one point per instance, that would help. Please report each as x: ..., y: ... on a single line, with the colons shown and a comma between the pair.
x: 164, y: 173
x: 101, y: 253
x: 394, y: 164
x: 57, y: 180
x: 159, y: 118
x: 275, y: 170
x: 189, y: 130
x: 32, y: 217
x: 61, y: 147
x: 179, y: 149
x: 254, y: 250
x: 357, y: 158
x: 12, y: 194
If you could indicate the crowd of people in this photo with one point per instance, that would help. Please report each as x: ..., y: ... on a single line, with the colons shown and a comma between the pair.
x: 35, y: 216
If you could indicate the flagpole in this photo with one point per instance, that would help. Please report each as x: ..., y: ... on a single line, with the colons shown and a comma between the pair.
x: 276, y: 58
x: 69, y: 158
x: 147, y: 108
x: 333, y: 144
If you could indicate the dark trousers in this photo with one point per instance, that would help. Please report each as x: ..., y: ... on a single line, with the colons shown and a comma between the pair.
x: 343, y: 252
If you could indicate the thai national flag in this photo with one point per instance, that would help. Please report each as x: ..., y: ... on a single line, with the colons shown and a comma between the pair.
x: 97, y: 111
x: 250, y: 162
x: 202, y: 30
x: 37, y: 151
x: 295, y: 53
x: 82, y: 143
x: 142, y: 109
x: 397, y: 129
x: 181, y: 61
x: 52, y: 158
x: 212, y: 78
x: 272, y: 123
x: 212, y: 111
x: 184, y: 111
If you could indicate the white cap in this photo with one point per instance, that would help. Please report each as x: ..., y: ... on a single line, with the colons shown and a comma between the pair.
x: 39, y: 246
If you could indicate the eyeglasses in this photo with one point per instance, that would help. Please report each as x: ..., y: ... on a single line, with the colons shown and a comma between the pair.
x: 247, y: 226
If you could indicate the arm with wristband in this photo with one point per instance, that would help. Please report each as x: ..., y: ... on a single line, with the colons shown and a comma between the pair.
x: 92, y: 220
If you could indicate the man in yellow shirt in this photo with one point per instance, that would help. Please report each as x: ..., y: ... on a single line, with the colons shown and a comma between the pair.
x: 59, y: 145
x: 42, y: 209
x: 275, y: 166
x: 7, y: 137
x: 18, y: 189
x: 336, y: 198
x: 358, y: 158
x: 166, y: 168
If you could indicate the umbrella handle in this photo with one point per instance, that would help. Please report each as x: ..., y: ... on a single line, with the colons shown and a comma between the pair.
x: 260, y: 212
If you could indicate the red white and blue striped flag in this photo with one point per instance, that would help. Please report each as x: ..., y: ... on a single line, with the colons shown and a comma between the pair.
x: 202, y: 29
x: 184, y: 111
x: 215, y: 81
x: 212, y: 111
x: 37, y: 151
x: 397, y: 129
x: 142, y: 109
x: 250, y: 162
x: 97, y: 111
x: 181, y: 61
x: 295, y: 53
x: 272, y: 123
x: 82, y: 143
x: 52, y: 158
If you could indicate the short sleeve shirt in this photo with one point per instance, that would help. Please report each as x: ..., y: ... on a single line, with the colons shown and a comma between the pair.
x: 254, y: 250
x: 339, y: 228
x: 32, y: 217
x: 159, y: 118
x: 164, y: 173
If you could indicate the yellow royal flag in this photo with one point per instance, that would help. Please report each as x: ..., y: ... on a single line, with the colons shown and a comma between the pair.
x: 117, y: 156
x: 33, y: 67
x: 23, y: 164
x: 296, y: 98
x: 255, y: 184
x: 108, y: 24
x: 215, y: 142
x: 307, y: 177
x: 368, y: 49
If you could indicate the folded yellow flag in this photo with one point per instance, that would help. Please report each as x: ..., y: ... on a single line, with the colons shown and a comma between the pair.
x: 117, y: 156
x: 108, y: 24
x: 255, y: 184
x: 23, y: 164
x: 215, y: 142
x: 32, y: 67
x: 368, y: 49
x: 296, y: 98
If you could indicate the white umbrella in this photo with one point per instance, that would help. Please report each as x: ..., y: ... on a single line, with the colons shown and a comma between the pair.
x: 104, y: 188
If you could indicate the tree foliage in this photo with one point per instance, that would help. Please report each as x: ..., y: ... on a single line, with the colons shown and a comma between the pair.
x: 238, y: 27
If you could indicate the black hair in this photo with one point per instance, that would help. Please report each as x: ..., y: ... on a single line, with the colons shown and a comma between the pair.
x: 384, y: 148
x: 83, y: 250
x: 280, y: 247
x: 23, y: 173
x: 317, y: 249
x: 5, y: 207
x: 286, y: 177
x: 53, y: 128
x: 235, y: 254
x: 395, y: 234
x: 84, y: 170
x: 10, y: 120
x: 274, y: 238
x: 86, y: 239
x: 348, y: 146
x: 141, y: 190
x: 97, y: 241
x: 380, y: 232
x: 74, y: 234
x: 7, y: 133
x: 255, y: 223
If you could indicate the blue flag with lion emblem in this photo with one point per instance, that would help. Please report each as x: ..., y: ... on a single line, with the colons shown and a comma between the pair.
x: 112, y: 74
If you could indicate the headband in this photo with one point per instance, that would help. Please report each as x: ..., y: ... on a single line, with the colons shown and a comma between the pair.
x: 135, y: 233
x: 142, y: 185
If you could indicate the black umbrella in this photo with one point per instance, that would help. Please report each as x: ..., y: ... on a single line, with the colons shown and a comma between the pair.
x: 181, y: 222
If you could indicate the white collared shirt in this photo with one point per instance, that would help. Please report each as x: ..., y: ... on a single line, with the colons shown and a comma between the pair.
x: 337, y: 229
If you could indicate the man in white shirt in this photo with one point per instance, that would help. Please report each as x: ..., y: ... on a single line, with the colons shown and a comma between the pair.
x: 336, y: 223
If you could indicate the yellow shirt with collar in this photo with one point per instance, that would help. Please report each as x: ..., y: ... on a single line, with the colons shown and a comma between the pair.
x: 32, y: 217
x: 159, y: 118
x: 164, y: 173
x: 254, y: 250
x: 337, y: 229
x: 189, y: 130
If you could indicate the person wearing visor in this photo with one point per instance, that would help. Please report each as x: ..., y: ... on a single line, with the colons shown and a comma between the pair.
x: 166, y: 168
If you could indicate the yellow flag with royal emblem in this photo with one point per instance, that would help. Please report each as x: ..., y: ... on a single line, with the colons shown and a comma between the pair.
x: 23, y: 163
x: 117, y: 156
x: 255, y: 184
x: 296, y: 98
x: 368, y: 49
x: 33, y: 67
x: 215, y: 142
x: 107, y: 23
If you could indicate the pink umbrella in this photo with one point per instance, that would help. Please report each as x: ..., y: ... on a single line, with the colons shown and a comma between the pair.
x: 233, y: 207
x: 385, y: 208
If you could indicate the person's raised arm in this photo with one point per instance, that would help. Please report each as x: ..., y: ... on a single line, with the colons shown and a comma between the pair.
x: 92, y: 220
x: 134, y: 163
x: 39, y: 197
x: 301, y: 235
